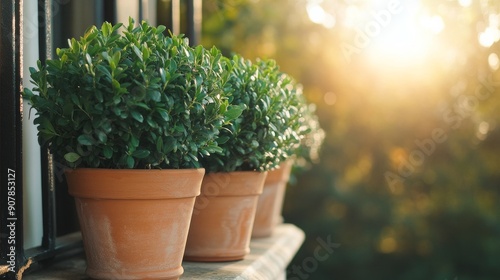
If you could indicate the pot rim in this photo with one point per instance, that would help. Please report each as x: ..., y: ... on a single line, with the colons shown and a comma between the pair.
x: 103, y: 183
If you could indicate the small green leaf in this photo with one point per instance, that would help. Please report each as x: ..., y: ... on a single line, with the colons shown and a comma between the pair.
x: 140, y: 153
x: 107, y: 152
x: 130, y: 162
x: 116, y: 57
x: 173, y: 66
x: 254, y: 144
x: 159, y: 144
x: 47, y: 126
x: 103, y: 138
x: 137, y: 116
x: 116, y: 84
x: 75, y: 100
x: 71, y: 157
x: 104, y: 70
x: 85, y: 140
x: 134, y: 141
x: 233, y: 112
x: 143, y: 105
x: 137, y: 52
x: 222, y: 140
x: 27, y: 93
x: 160, y: 29
x: 163, y: 75
x: 106, y: 56
x: 89, y: 59
x: 170, y: 144
x: 105, y: 27
x: 151, y: 122
x: 154, y: 95
x: 164, y: 115
x: 146, y: 53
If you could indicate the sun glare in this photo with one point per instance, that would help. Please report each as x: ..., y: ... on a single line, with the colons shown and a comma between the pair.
x: 394, y: 32
x: 407, y: 36
x: 317, y: 14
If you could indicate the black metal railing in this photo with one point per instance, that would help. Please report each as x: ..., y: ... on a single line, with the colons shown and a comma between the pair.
x: 11, y: 245
x: 58, y: 237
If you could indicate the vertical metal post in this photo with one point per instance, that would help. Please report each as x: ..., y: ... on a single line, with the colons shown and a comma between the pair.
x: 48, y: 190
x: 168, y: 13
x: 11, y: 223
x: 194, y: 17
x: 140, y: 18
x: 110, y: 11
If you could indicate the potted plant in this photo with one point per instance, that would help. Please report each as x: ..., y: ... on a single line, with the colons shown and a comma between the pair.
x: 131, y: 112
x: 254, y: 142
x: 270, y: 203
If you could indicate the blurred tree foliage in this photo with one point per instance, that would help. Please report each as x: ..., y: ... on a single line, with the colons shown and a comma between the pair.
x: 409, y: 177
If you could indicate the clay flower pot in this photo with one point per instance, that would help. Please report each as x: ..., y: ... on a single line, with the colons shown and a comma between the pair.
x: 270, y: 203
x: 223, y: 216
x: 134, y: 222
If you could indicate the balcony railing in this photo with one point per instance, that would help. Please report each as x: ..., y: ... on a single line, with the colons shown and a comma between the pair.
x: 38, y: 221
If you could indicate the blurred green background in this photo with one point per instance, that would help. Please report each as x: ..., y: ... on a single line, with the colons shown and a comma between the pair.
x: 408, y: 179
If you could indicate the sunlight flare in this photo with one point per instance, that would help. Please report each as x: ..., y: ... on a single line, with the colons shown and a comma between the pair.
x: 408, y: 37
x: 317, y: 14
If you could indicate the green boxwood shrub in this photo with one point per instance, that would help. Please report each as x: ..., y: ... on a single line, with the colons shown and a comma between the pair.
x: 269, y: 128
x: 130, y: 98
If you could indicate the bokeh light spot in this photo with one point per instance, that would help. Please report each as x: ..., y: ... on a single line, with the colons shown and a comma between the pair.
x: 318, y: 15
x: 388, y: 245
x: 465, y: 3
x: 493, y: 61
x: 330, y: 98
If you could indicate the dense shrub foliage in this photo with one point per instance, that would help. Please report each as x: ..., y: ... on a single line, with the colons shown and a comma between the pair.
x: 270, y: 125
x: 130, y: 98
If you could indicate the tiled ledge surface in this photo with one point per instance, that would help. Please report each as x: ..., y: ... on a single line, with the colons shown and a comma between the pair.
x: 267, y: 260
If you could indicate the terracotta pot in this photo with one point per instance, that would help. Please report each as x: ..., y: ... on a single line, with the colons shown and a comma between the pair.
x: 270, y: 203
x: 134, y: 222
x: 223, y: 216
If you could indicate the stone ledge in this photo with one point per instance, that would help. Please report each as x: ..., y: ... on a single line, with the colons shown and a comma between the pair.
x: 267, y: 260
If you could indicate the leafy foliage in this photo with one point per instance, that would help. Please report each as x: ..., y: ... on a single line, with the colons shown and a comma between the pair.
x: 266, y: 129
x: 288, y: 103
x: 308, y: 152
x: 129, y: 99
